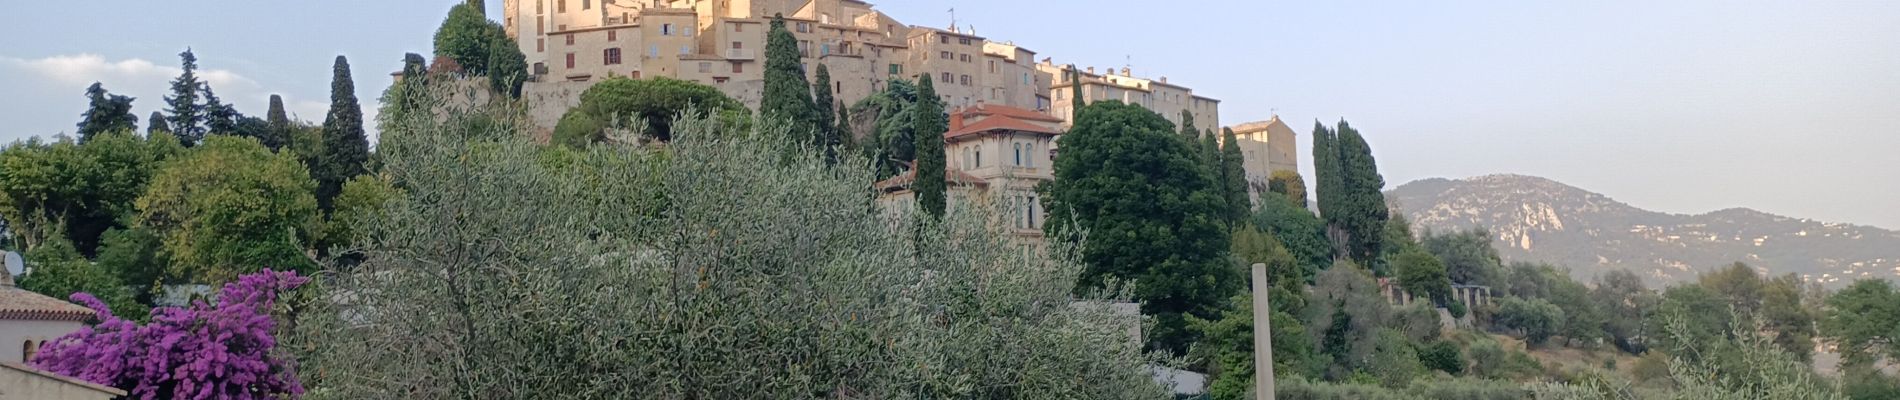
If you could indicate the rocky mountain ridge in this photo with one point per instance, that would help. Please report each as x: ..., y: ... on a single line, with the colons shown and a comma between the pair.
x: 1542, y: 220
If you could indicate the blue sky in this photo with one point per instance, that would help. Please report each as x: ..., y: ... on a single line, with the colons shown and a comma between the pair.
x: 1790, y: 107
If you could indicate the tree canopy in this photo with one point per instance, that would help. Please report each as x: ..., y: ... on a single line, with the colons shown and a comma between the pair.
x: 106, y: 112
x: 649, y: 106
x: 231, y: 207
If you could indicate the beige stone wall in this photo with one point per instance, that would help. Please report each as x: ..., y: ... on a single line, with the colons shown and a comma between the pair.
x: 1158, y: 95
x: 14, y: 334
x: 1266, y: 146
x: 18, y: 384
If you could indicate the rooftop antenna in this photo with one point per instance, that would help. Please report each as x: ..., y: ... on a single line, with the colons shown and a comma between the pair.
x: 953, y: 19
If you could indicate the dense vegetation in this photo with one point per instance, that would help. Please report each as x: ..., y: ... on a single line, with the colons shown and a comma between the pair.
x: 746, y: 258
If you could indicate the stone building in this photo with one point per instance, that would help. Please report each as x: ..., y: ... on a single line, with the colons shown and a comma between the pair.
x: 1266, y: 147
x: 570, y: 44
x: 1158, y: 95
x: 996, y: 155
x: 29, y: 320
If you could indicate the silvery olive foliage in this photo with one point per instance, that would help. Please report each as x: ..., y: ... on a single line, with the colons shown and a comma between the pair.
x: 1744, y: 366
x: 724, y: 265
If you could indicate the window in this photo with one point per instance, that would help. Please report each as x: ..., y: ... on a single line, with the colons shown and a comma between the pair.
x: 613, y: 35
x: 992, y: 66
x: 687, y: 31
x: 824, y: 18
x: 705, y: 67
x: 897, y: 69
x: 979, y: 157
x: 966, y: 82
x: 666, y: 29
x: 964, y: 57
x: 560, y: 6
x: 804, y: 27
x: 840, y: 88
x: 541, y: 24
x: 540, y: 45
x: 943, y: 55
x: 738, y: 27
x: 824, y: 49
x: 570, y: 60
x: 687, y: 49
x: 538, y: 8
x: 28, y: 350
x: 653, y: 51
x: 738, y: 67
x: 945, y: 78
x: 1019, y: 154
x: 804, y: 48
x: 610, y: 56
x: 963, y: 41
x: 1029, y: 155
x: 570, y: 39
x: 738, y: 45
x: 1026, y: 78
x: 944, y: 39
x: 1030, y: 212
x: 587, y: 4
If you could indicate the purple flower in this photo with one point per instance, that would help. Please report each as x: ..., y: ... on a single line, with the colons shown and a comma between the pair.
x: 206, y: 351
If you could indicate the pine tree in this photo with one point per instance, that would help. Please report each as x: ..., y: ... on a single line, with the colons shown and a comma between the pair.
x: 931, y: 124
x: 156, y: 125
x: 1234, y: 176
x: 278, y: 135
x: 220, y: 117
x: 187, y: 114
x: 787, y: 94
x: 345, y: 147
x: 107, y: 113
x: 823, y: 120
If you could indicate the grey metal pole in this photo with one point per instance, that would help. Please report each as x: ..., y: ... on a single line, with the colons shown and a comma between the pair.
x: 1262, y: 335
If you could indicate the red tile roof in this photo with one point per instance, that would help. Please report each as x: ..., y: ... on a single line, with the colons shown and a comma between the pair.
x: 999, y: 123
x: 1016, y: 112
x: 19, y: 304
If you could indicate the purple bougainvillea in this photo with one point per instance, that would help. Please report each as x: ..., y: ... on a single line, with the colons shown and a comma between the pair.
x: 207, y: 351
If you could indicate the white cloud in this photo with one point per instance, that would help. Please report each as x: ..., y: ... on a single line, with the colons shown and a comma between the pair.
x: 84, y: 69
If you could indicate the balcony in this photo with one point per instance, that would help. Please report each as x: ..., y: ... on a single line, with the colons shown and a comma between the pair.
x: 739, y: 54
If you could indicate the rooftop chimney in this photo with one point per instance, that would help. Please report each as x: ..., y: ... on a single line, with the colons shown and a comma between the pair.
x: 1164, y: 79
x: 956, y: 120
x: 1128, y: 73
x: 1091, y: 70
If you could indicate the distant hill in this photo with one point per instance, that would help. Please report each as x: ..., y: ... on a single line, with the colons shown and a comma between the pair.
x: 1537, y: 219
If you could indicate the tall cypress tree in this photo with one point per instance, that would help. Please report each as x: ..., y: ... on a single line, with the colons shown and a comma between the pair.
x: 823, y: 120
x: 1076, y: 102
x: 278, y: 133
x: 1326, y: 185
x: 1363, y: 200
x: 345, y: 147
x: 1187, y: 128
x: 156, y: 125
x: 106, y: 112
x: 931, y: 124
x: 787, y: 94
x: 187, y: 114
x: 1234, y: 176
x: 845, y: 139
x: 220, y: 117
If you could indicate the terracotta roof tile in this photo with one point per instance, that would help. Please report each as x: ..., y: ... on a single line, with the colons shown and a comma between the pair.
x: 996, y: 123
x: 1017, y: 112
x: 20, y: 304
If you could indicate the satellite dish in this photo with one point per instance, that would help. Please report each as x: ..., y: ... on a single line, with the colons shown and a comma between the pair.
x: 15, y: 265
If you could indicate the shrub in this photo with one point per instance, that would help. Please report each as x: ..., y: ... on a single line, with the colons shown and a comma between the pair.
x: 715, y: 267
x: 1442, y: 356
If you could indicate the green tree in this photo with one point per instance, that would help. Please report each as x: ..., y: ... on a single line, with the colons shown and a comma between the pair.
x: 1469, y: 256
x: 821, y: 99
x: 1626, y: 303
x: 1443, y: 356
x: 1148, y: 211
x: 1233, y: 174
x: 507, y: 66
x: 931, y: 125
x: 1422, y: 275
x: 156, y: 124
x: 363, y: 202
x: 1302, y: 232
x: 220, y: 118
x: 345, y: 146
x: 1537, y: 319
x: 138, y: 257
x: 1189, y: 132
x: 106, y: 112
x: 59, y: 271
x: 1345, y: 311
x: 1288, y: 183
x: 1359, y: 211
x: 787, y: 94
x: 464, y: 37
x: 278, y: 134
x: 1864, y: 319
x: 1287, y: 277
x: 231, y: 207
x: 843, y: 139
x: 1227, y: 345
x: 1702, y: 318
x: 649, y: 106
x: 892, y: 144
x: 579, y: 129
x: 76, y: 190
x: 187, y: 119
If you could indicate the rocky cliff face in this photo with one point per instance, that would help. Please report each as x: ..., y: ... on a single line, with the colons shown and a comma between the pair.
x: 1537, y: 219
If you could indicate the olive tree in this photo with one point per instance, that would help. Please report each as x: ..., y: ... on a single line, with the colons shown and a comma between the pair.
x: 713, y: 267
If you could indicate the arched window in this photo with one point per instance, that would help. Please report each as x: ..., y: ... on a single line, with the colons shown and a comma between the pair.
x: 28, y: 350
